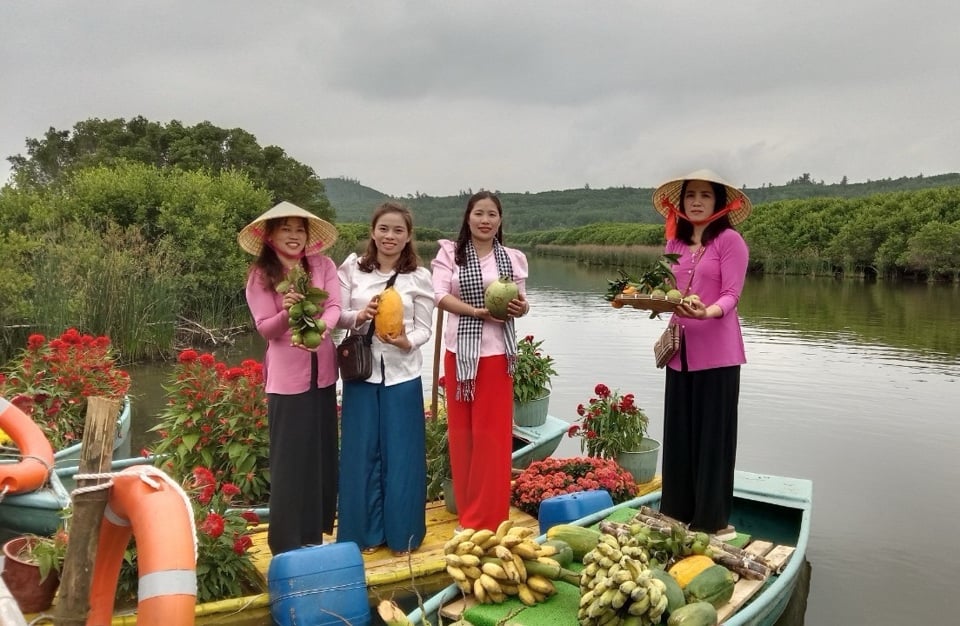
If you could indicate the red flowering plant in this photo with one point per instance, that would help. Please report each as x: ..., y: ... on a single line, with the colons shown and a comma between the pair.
x: 609, y: 424
x: 216, y: 417
x: 51, y: 380
x: 554, y: 477
x: 224, y: 565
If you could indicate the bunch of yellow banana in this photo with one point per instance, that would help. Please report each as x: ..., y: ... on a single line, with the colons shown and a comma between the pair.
x: 617, y: 587
x: 492, y: 565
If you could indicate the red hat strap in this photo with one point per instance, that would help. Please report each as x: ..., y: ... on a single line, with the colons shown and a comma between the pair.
x: 674, y: 214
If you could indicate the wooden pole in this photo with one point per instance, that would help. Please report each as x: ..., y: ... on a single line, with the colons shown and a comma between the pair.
x: 96, y: 455
x: 437, y: 346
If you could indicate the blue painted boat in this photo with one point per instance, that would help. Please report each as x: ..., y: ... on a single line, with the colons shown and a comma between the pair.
x: 535, y: 443
x: 39, y: 511
x: 771, y: 509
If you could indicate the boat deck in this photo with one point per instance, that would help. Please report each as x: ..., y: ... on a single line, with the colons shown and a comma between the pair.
x: 422, y: 571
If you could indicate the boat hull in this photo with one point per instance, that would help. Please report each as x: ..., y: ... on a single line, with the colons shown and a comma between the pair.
x: 38, y: 512
x: 776, y: 509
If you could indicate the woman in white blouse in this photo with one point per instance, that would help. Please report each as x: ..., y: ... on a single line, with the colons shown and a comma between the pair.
x: 382, y: 441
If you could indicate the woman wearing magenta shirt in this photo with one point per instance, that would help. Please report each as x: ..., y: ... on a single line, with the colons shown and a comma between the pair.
x: 300, y: 382
x: 479, y: 359
x: 702, y: 389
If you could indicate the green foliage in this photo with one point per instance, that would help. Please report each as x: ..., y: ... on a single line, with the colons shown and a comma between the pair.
x: 609, y: 424
x: 47, y: 553
x: 438, y: 453
x: 216, y: 417
x: 95, y: 142
x: 533, y: 371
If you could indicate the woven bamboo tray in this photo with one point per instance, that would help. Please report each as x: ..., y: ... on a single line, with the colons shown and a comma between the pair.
x: 659, y: 304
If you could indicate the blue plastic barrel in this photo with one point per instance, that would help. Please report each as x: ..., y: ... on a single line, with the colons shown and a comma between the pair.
x: 571, y: 506
x: 319, y: 586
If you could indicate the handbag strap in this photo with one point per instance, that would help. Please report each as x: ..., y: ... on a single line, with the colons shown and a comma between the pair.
x: 368, y: 338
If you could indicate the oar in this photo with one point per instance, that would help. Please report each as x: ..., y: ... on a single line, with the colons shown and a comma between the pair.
x: 437, y: 341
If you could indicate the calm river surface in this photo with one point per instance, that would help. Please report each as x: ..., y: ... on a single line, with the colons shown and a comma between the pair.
x: 855, y: 386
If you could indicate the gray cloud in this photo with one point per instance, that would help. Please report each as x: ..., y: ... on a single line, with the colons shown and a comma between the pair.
x: 437, y: 96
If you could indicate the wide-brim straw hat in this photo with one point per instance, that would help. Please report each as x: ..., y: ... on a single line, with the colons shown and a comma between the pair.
x: 667, y: 195
x: 321, y: 234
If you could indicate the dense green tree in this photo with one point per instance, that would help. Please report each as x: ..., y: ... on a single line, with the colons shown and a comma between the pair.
x: 204, y: 146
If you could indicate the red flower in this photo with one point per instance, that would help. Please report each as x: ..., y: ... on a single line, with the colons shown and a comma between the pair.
x: 188, y: 356
x: 213, y: 525
x: 242, y: 543
x: 602, y: 390
x: 251, y: 516
x: 35, y: 341
x: 202, y: 477
x: 229, y: 490
x: 207, y: 359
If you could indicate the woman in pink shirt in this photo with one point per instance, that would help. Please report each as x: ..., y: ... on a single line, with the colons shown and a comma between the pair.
x: 702, y: 389
x: 479, y: 359
x: 300, y: 382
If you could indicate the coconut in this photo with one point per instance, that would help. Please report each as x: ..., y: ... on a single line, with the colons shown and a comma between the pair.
x: 498, y: 294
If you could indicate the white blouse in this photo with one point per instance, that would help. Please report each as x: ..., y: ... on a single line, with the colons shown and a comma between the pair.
x: 357, y: 288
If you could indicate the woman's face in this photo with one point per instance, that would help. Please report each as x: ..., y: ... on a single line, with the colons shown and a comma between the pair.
x: 289, y: 238
x: 390, y: 234
x: 484, y: 220
x: 699, y: 201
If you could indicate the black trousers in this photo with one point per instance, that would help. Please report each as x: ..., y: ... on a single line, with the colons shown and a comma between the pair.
x: 700, y: 446
x: 304, y: 467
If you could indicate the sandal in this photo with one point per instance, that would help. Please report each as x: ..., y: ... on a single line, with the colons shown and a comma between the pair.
x: 370, y: 549
x: 402, y: 553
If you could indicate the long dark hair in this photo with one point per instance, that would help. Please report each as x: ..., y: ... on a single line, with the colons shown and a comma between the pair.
x: 269, y: 264
x: 714, y: 228
x: 408, y: 261
x: 460, y: 255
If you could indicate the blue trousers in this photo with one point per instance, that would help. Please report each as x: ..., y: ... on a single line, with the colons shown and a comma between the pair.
x: 383, y: 468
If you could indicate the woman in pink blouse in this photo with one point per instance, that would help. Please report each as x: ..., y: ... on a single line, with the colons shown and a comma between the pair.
x: 479, y: 360
x: 702, y: 389
x: 300, y: 382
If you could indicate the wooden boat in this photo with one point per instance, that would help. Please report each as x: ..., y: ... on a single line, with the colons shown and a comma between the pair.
x: 39, y: 511
x: 535, y: 443
x: 423, y: 572
x: 775, y: 511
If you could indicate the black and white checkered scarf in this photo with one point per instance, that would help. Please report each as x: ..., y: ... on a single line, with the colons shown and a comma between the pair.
x: 470, y: 329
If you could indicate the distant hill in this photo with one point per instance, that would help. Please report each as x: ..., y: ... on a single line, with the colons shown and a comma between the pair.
x: 571, y: 208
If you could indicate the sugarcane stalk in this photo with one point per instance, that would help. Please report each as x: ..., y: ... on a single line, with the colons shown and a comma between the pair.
x: 748, y: 565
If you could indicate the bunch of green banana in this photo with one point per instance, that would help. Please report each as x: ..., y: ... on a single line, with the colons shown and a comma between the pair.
x: 305, y: 329
x: 492, y: 565
x: 617, y: 587
x: 664, y: 546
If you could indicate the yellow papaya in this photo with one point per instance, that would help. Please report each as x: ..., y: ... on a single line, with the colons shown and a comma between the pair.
x: 389, y: 317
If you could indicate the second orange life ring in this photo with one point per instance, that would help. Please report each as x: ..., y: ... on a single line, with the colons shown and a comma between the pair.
x: 35, y: 451
x: 146, y: 503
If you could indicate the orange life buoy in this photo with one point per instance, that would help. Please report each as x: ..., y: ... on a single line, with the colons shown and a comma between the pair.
x: 146, y: 503
x: 36, y: 453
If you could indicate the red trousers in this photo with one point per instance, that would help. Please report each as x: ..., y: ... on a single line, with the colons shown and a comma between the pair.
x: 481, y: 442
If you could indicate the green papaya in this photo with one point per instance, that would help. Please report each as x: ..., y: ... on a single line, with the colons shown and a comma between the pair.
x: 713, y: 585
x: 693, y: 614
x: 675, y: 598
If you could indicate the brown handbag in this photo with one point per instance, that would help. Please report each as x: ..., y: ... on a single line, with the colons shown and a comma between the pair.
x: 355, y: 355
x: 668, y: 344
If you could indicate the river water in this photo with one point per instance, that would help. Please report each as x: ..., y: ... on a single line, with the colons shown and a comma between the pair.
x: 853, y: 385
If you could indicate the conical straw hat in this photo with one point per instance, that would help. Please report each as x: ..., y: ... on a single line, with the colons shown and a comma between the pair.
x: 321, y: 234
x: 670, y: 191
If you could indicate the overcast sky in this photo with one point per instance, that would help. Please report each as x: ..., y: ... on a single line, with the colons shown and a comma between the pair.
x: 439, y: 96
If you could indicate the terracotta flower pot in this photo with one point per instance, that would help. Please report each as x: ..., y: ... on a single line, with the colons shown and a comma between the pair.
x: 23, y: 579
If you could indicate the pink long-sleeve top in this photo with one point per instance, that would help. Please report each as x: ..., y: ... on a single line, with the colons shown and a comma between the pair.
x: 287, y: 368
x: 446, y: 280
x: 718, y: 279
